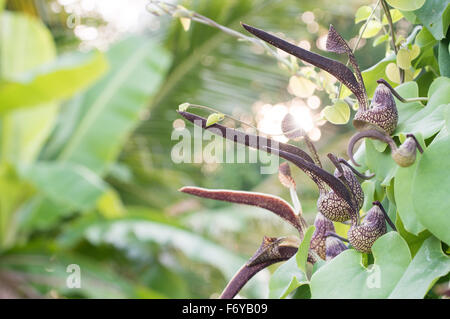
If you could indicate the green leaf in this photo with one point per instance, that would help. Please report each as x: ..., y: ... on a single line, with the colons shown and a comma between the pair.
x: 435, y: 16
x: 424, y: 38
x: 346, y: 277
x: 48, y: 269
x: 368, y: 188
x: 380, y: 39
x: 444, y: 57
x: 393, y: 72
x: 403, y: 59
x: 407, y: 110
x: 430, y: 189
x: 303, y: 249
x: 381, y: 164
x: 214, y: 118
x: 66, y: 183
x: 130, y: 233
x: 404, y: 199
x: 24, y: 131
x: 414, y: 242
x: 291, y: 274
x: 338, y: 113
x: 362, y: 13
x: 110, y: 109
x: 286, y: 279
x: 430, y: 119
x: 58, y: 80
x: 372, y: 29
x: 428, y: 265
x: 396, y: 15
x: 406, y: 5
x: 14, y: 191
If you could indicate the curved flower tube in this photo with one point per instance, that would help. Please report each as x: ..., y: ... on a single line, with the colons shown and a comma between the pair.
x: 362, y: 237
x: 271, y: 251
x: 382, y: 112
x: 272, y: 203
x: 404, y: 156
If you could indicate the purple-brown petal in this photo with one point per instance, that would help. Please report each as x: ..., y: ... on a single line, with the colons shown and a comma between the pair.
x: 335, y: 68
x: 272, y: 203
x: 273, y: 251
x: 255, y: 141
x: 285, y: 177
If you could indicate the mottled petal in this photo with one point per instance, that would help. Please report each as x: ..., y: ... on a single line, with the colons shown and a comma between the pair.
x: 271, y: 251
x: 272, y: 203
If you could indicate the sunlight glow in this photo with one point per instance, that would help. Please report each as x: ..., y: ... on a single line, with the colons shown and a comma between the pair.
x: 269, y: 117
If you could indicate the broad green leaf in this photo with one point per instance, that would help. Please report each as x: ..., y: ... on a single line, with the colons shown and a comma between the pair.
x: 214, y: 118
x: 403, y: 197
x: 66, y: 183
x: 393, y: 72
x: 430, y: 189
x: 415, y: 51
x: 403, y: 59
x: 338, y: 113
x: 414, y: 242
x: 49, y: 270
x: 131, y: 233
x: 303, y: 249
x: 58, y: 80
x: 380, y: 39
x: 292, y: 274
x: 430, y: 119
x: 435, y: 16
x: 381, y: 164
x: 372, y: 29
x: 111, y: 108
x: 368, y: 188
x: 25, y: 45
x: 286, y: 279
x: 407, y: 110
x: 406, y: 5
x: 424, y: 38
x: 444, y: 57
x: 110, y: 205
x: 362, y: 13
x: 40, y: 213
x: 346, y: 277
x: 396, y: 15
x: 14, y: 191
x: 428, y: 265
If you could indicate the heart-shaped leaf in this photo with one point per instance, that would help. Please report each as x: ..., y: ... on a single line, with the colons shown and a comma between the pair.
x: 428, y: 265
x: 346, y: 277
x: 406, y: 5
x: 430, y: 189
x: 338, y: 113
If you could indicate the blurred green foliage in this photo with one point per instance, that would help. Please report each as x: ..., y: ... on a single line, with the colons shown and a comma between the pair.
x: 85, y: 171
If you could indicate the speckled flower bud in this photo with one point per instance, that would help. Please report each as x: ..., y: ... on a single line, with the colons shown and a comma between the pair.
x: 334, y: 246
x: 382, y: 113
x: 318, y: 239
x: 362, y: 237
x: 405, y: 155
